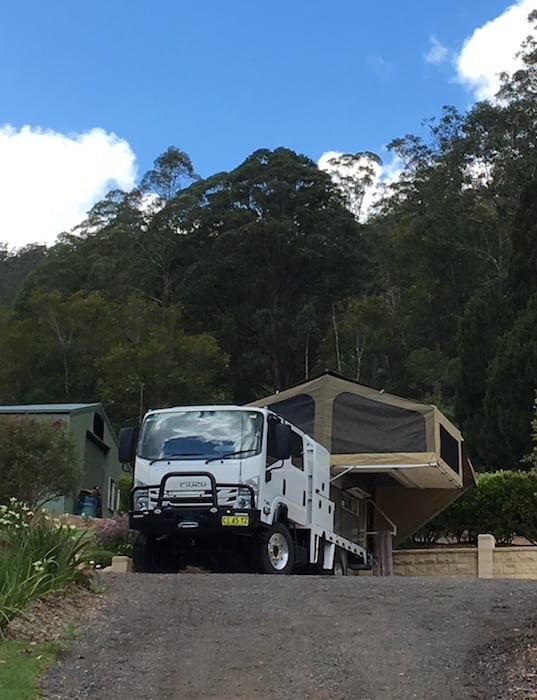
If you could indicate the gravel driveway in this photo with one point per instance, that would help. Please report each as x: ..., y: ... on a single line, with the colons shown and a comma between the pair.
x: 243, y: 636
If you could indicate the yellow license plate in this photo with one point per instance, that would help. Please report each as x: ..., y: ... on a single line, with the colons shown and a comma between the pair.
x: 236, y: 520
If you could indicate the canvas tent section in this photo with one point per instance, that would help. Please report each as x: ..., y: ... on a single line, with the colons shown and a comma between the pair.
x: 405, y: 459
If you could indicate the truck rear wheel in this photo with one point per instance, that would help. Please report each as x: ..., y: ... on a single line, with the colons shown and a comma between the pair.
x: 340, y: 563
x: 339, y: 567
x: 277, y: 551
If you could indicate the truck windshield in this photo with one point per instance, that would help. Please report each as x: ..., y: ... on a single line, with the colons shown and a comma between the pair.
x: 201, y: 435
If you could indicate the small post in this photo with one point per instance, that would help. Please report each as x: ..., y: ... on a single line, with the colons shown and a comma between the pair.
x: 121, y: 565
x: 485, y: 556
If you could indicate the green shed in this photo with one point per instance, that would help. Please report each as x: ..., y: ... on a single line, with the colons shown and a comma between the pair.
x: 96, y: 443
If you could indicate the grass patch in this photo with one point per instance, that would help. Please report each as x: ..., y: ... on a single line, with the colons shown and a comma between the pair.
x: 21, y: 663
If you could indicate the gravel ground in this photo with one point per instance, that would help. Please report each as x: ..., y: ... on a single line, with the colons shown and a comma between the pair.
x: 235, y: 637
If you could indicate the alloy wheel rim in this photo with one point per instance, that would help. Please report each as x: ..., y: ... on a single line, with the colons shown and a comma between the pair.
x: 278, y: 551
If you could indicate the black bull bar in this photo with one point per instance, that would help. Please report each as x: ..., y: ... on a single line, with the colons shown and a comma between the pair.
x: 208, y: 497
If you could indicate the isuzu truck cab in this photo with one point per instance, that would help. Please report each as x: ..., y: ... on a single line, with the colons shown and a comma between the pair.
x: 233, y: 488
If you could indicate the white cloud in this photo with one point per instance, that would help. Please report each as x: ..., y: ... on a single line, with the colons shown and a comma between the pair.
x: 492, y: 48
x: 48, y: 180
x: 438, y: 53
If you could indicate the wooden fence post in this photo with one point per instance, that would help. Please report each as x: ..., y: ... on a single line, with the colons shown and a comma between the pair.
x: 385, y: 554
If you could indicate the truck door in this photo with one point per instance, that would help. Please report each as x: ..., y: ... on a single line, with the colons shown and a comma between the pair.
x: 297, y: 478
x: 287, y: 479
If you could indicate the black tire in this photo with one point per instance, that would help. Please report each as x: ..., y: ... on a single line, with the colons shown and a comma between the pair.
x: 153, y: 556
x: 340, y: 567
x: 276, y: 550
x: 141, y: 561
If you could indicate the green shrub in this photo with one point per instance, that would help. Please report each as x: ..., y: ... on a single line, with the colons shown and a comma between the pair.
x: 114, y: 535
x: 38, y: 460
x: 504, y: 505
x: 39, y: 555
x: 531, y: 459
x: 98, y: 558
x: 124, y: 483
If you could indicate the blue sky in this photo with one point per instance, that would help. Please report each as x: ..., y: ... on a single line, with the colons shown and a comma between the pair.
x: 217, y: 79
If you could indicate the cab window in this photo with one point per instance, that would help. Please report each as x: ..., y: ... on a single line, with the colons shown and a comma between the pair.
x: 271, y: 440
x: 297, y: 450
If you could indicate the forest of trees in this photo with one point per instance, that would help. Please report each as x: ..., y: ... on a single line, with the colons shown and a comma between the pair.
x: 189, y: 290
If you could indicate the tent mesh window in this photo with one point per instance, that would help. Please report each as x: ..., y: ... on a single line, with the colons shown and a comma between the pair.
x: 362, y: 425
x: 298, y: 410
x: 449, y: 450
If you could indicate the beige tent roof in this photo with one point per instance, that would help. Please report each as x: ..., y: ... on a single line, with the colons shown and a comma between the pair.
x: 408, y: 454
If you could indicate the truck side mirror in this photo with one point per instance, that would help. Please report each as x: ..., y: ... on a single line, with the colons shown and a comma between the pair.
x: 283, y: 441
x: 127, y: 445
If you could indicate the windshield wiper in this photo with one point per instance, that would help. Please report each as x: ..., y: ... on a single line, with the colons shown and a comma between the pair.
x: 229, y: 454
x: 175, y: 456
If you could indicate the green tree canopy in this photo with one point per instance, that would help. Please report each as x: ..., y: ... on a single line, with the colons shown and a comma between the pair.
x: 153, y: 363
x: 38, y: 460
x: 268, y: 248
x: 250, y: 280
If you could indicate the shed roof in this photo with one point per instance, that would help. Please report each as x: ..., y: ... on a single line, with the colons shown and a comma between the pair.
x: 60, y: 408
x: 48, y: 407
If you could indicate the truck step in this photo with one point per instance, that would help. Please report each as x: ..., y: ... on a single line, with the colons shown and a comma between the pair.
x: 359, y: 567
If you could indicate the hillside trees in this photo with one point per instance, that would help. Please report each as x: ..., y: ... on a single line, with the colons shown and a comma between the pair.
x: 435, y: 241
x: 511, y: 378
x: 235, y: 285
x: 172, y: 171
x: 531, y: 458
x: 70, y: 328
x: 23, y: 371
x: 360, y: 340
x: 140, y: 300
x: 15, y: 267
x: 129, y: 242
x: 153, y: 362
x: 130, y: 355
x: 100, y: 255
x: 354, y: 174
x: 269, y: 247
x: 455, y: 245
x: 485, y: 317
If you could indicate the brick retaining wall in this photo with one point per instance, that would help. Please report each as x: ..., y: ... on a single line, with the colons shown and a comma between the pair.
x: 515, y: 562
x: 435, y: 562
x: 484, y: 561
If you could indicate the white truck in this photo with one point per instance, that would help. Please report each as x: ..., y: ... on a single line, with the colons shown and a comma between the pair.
x: 236, y: 488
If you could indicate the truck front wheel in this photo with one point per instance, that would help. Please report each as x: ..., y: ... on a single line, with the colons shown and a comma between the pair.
x: 277, y: 551
x: 150, y: 555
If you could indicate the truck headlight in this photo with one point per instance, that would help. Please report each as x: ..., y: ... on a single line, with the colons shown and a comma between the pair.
x: 244, y: 498
x: 141, y: 500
